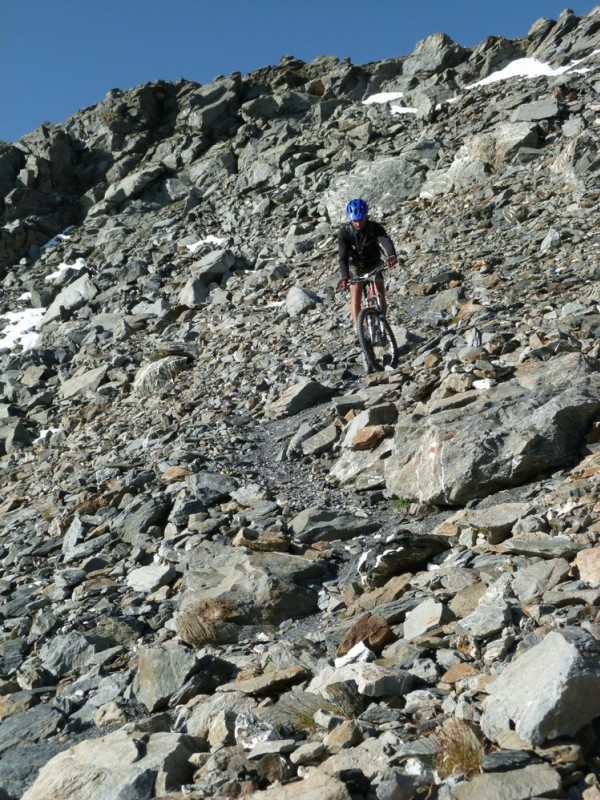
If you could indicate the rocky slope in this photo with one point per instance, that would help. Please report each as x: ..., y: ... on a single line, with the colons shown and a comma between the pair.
x: 233, y: 564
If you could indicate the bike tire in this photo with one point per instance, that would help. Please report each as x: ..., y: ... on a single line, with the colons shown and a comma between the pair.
x: 379, y: 352
x: 366, y: 322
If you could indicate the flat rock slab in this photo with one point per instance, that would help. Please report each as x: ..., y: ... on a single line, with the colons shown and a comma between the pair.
x: 326, y: 525
x: 371, y: 680
x: 148, y: 579
x: 537, y: 780
x: 318, y: 786
x: 298, y: 397
x: 32, y: 725
x: 81, y: 384
x: 116, y: 765
x: 269, y: 683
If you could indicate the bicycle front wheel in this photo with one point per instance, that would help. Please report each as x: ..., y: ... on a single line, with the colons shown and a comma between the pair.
x: 377, y: 341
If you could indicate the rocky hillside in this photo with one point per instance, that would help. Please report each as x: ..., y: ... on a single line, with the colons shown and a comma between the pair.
x: 234, y: 565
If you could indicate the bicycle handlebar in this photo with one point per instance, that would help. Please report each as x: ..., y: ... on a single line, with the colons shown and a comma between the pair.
x: 370, y: 275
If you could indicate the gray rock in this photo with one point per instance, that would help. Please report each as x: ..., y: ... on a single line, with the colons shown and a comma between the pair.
x: 70, y: 651
x: 34, y: 725
x: 538, y: 110
x: 213, y: 266
x: 551, y: 241
x: 322, y: 441
x: 72, y: 297
x: 149, y: 579
x: 371, y: 680
x: 14, y: 436
x: 143, y: 514
x: 83, y: 384
x: 395, y: 785
x: 132, y: 186
x: 427, y: 616
x: 534, y: 580
x: 157, y: 374
x: 215, y: 603
x: 317, y: 786
x: 433, y: 54
x: 322, y: 524
x: 225, y: 706
x: 559, y: 703
x: 385, y: 181
x: 492, y: 612
x: 161, y: 671
x: 194, y: 293
x: 297, y: 398
x: 439, y: 463
x: 211, y: 488
x: 403, y: 552
x: 299, y: 301
x: 496, y: 522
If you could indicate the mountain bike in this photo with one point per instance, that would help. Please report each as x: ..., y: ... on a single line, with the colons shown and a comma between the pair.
x: 375, y: 335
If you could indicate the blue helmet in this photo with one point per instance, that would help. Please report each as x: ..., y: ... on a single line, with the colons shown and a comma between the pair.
x: 356, y: 209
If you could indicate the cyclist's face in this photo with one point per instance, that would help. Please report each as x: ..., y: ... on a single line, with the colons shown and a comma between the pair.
x: 359, y: 224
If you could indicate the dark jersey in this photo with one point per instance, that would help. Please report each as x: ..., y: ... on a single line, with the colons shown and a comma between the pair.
x: 362, y: 250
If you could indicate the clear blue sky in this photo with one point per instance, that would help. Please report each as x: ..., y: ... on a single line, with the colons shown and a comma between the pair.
x: 58, y: 56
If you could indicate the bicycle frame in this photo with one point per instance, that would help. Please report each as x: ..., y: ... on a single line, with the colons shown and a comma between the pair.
x: 370, y: 290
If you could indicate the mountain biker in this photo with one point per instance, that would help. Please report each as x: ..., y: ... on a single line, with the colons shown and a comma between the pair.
x: 360, y: 245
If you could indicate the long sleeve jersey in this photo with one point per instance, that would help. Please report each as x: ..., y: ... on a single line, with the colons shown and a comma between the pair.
x: 362, y: 249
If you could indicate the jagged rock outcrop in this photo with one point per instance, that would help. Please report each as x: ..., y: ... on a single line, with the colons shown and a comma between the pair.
x: 233, y: 564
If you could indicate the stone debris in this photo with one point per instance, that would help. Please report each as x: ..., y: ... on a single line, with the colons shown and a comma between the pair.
x: 234, y: 565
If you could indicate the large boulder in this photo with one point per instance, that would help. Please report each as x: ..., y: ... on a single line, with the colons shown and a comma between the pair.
x: 72, y: 297
x: 120, y: 764
x: 501, y: 437
x: 434, y: 55
x: 386, y: 182
x: 225, y: 593
x: 548, y: 691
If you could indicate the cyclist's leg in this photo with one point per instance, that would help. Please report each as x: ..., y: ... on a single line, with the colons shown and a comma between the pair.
x: 355, y: 302
x: 381, y: 289
x: 356, y: 293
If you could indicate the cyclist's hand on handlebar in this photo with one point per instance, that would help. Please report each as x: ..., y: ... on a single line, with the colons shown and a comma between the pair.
x: 343, y: 283
x: 391, y: 261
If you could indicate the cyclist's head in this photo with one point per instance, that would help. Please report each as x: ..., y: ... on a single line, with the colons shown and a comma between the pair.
x: 356, y: 210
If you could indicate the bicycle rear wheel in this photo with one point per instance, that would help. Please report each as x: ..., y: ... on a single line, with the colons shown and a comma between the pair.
x: 377, y: 341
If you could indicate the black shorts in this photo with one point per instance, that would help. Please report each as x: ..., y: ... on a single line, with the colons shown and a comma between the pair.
x: 357, y: 270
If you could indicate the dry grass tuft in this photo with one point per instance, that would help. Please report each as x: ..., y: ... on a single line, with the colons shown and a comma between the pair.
x: 459, y: 749
x: 205, y: 621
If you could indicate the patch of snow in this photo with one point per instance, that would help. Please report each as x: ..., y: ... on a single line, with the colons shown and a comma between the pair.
x: 207, y: 240
x: 44, y: 434
x: 383, y: 97
x: 79, y: 264
x: 528, y: 68
x: 403, y: 110
x: 20, y: 329
x: 60, y: 237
